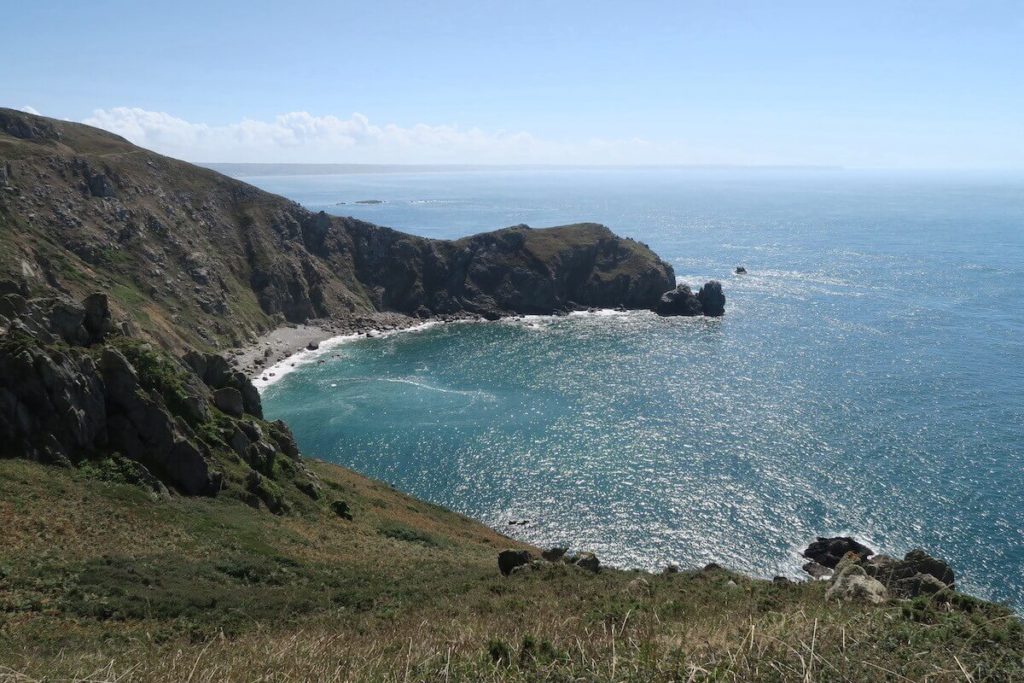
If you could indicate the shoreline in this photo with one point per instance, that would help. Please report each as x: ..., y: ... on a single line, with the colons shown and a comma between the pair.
x: 276, y: 353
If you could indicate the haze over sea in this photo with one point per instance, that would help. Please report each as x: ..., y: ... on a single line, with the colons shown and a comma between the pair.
x: 867, y: 378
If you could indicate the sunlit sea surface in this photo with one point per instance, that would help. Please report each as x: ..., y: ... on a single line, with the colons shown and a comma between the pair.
x: 868, y: 377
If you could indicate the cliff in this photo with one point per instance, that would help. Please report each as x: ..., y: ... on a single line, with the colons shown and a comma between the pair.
x: 195, y: 258
x: 157, y: 527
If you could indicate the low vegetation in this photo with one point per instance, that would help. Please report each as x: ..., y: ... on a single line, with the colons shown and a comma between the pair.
x: 100, y: 582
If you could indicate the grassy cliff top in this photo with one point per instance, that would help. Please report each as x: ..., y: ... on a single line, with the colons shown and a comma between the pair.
x: 99, y: 582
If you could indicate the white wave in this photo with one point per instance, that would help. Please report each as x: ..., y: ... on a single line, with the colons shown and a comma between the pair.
x: 428, y: 387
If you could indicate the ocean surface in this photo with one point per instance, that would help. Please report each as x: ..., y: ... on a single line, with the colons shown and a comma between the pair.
x: 867, y: 379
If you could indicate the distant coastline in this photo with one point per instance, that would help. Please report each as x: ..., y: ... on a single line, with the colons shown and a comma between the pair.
x: 243, y: 170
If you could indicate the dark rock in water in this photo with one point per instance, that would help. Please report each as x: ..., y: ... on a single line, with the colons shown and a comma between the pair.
x: 679, y: 301
x: 740, y: 270
x: 588, y: 561
x: 554, y: 554
x: 713, y: 567
x: 312, y: 346
x: 510, y: 559
x: 712, y: 300
x: 229, y: 400
x: 491, y: 315
x: 907, y: 577
x: 829, y: 551
x: 340, y: 508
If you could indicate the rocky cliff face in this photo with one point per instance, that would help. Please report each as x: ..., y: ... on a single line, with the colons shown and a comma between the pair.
x: 75, y: 391
x: 194, y: 258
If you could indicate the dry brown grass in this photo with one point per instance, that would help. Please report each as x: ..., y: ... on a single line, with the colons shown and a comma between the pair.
x: 314, y: 597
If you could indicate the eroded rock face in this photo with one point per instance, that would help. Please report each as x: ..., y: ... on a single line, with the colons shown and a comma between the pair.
x: 72, y: 390
x: 215, y: 371
x: 229, y: 400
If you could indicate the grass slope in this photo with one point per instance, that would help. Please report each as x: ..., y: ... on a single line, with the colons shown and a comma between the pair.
x: 100, y: 582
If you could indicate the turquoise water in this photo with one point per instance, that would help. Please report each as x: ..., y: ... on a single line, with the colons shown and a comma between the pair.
x: 866, y: 379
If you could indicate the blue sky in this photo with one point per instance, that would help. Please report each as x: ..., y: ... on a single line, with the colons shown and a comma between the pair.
x: 874, y: 84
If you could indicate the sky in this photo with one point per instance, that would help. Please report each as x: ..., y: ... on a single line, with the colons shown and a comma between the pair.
x: 937, y: 84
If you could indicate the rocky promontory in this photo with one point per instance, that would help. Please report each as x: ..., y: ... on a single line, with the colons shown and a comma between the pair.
x: 197, y: 259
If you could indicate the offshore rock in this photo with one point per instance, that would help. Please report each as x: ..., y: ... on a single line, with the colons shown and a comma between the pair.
x: 712, y: 300
x: 679, y: 301
x: 829, y: 551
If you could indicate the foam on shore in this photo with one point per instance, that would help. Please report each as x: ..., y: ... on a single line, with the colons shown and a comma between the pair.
x: 289, y: 364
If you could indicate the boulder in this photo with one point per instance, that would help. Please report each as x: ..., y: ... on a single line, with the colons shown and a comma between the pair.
x: 740, y: 270
x: 679, y: 301
x: 589, y: 562
x: 98, y: 323
x: 853, y: 584
x: 282, y: 436
x: 712, y: 300
x: 829, y: 551
x: 510, y: 559
x: 554, y: 554
x: 340, y: 508
x: 65, y: 320
x: 229, y: 400
x: 906, y: 577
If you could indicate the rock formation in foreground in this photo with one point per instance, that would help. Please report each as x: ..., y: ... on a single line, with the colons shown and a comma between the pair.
x: 75, y: 390
x: 856, y: 572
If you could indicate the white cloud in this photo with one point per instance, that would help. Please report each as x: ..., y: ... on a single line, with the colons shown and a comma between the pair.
x: 303, y: 137
x: 29, y: 110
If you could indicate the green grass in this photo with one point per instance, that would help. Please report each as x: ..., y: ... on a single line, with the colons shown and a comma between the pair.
x: 99, y: 580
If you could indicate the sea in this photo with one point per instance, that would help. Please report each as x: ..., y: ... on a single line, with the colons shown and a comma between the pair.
x: 867, y: 378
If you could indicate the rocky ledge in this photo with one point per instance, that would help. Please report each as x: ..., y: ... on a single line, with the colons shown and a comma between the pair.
x: 857, y: 573
x: 76, y: 389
